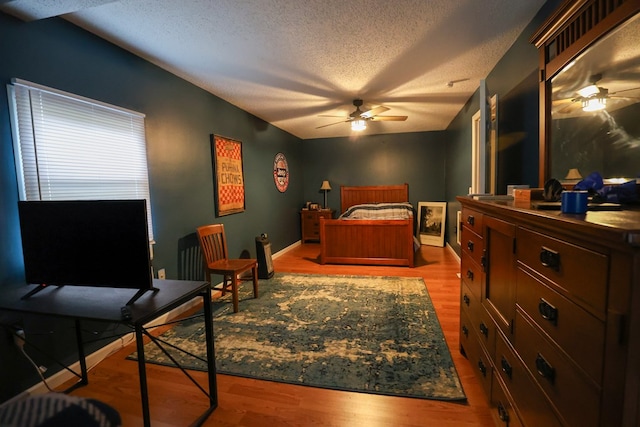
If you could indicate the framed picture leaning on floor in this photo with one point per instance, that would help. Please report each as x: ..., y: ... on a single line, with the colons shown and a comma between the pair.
x: 431, y: 223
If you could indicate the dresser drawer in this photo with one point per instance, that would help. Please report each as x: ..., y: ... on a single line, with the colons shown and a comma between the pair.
x: 480, y: 322
x: 533, y: 407
x: 466, y: 334
x: 472, y: 219
x: 486, y: 329
x: 472, y: 275
x: 503, y: 412
x: 572, y: 393
x: 469, y: 304
x: 574, y: 270
x: 472, y: 245
x: 480, y: 361
x: 579, y: 333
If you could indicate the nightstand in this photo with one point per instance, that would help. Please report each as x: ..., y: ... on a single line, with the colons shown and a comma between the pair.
x: 310, y: 220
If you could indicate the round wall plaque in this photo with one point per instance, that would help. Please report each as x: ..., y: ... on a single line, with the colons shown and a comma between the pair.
x: 281, y: 172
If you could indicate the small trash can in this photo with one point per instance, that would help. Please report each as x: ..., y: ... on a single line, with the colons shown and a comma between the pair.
x: 265, y: 262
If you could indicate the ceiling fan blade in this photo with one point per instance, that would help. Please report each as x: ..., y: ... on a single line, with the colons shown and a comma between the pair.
x: 374, y: 111
x: 331, y: 124
x: 388, y: 118
x: 570, y: 107
x: 330, y: 115
x: 557, y: 102
x: 624, y: 97
x: 624, y: 90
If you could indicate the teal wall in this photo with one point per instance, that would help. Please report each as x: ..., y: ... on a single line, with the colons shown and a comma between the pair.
x: 179, y: 120
x: 414, y: 158
x: 514, y: 81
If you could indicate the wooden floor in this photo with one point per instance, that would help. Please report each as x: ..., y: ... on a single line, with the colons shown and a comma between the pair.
x: 175, y: 401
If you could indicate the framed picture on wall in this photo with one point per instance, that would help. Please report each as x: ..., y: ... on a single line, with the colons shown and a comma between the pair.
x: 431, y: 223
x: 229, y: 175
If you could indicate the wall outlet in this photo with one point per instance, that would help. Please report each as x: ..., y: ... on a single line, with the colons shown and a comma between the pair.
x: 162, y: 274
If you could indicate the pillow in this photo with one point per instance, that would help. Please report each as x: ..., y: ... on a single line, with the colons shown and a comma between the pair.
x: 402, y: 210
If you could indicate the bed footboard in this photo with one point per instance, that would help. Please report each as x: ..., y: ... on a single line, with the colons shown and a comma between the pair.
x: 368, y: 242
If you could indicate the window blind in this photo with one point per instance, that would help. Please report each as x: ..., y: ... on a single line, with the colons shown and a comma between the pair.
x: 68, y: 147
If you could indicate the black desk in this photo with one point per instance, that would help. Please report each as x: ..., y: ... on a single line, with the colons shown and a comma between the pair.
x: 104, y: 304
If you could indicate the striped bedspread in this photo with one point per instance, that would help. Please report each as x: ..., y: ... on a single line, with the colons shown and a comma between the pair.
x: 379, y: 211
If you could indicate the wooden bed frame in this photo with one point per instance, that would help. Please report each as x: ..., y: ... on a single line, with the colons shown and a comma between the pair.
x: 369, y: 242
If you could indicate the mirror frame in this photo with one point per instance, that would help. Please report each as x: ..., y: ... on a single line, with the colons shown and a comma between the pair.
x: 568, y: 32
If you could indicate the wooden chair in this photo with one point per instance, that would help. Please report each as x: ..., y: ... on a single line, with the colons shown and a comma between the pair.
x: 216, y: 261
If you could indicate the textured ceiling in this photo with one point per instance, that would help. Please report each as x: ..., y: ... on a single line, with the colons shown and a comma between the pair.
x: 289, y: 61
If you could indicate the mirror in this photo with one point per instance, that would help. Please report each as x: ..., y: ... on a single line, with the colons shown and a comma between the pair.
x: 605, y: 78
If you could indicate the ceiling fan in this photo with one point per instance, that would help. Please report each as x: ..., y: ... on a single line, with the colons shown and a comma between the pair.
x: 359, y: 118
x: 592, y: 97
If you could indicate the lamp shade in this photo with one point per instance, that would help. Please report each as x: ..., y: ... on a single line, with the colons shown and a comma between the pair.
x: 573, y: 174
x: 325, y: 185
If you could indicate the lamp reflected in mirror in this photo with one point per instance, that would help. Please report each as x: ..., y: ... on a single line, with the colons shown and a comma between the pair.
x: 573, y: 174
x: 594, y: 109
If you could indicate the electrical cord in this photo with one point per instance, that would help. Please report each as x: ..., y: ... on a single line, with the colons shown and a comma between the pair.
x: 19, y: 340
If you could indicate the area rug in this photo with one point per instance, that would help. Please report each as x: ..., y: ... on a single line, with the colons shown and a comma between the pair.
x: 357, y: 333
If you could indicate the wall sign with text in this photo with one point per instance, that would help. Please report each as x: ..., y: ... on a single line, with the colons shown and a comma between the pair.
x: 281, y: 172
x: 229, y: 175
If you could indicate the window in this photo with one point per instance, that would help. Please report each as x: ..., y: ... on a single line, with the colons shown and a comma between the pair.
x: 67, y: 147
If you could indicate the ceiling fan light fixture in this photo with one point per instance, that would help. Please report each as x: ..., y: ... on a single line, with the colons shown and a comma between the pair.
x: 589, y: 91
x: 358, y: 125
x: 595, y: 103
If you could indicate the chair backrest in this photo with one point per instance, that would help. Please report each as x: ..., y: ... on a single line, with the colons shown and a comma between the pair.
x: 190, y: 259
x: 213, y: 242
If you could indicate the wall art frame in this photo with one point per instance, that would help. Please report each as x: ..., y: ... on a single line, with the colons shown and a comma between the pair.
x: 431, y: 223
x: 228, y: 172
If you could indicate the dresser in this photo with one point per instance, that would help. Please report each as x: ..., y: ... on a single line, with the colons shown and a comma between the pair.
x: 310, y: 223
x: 550, y: 313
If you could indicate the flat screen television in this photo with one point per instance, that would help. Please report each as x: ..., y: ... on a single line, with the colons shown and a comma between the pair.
x: 86, y: 243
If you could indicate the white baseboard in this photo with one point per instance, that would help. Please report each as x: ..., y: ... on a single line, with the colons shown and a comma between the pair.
x: 453, y: 251
x: 287, y: 249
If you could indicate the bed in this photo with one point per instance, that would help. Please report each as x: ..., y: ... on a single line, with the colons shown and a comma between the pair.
x: 368, y: 241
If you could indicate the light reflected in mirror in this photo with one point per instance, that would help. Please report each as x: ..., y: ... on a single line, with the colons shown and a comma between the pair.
x: 595, y: 109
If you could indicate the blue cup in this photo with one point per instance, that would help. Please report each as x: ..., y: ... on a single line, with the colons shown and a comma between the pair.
x: 574, y: 202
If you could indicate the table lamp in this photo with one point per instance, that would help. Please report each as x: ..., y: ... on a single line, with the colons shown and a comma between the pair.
x: 325, y: 187
x: 573, y: 174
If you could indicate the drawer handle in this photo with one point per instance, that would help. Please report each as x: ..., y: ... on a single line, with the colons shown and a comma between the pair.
x: 471, y: 220
x: 465, y: 331
x: 484, y: 330
x: 545, y: 369
x: 550, y: 258
x: 548, y: 311
x: 482, y: 367
x: 502, y: 413
x: 470, y: 245
x: 506, y: 367
x: 466, y: 300
x: 470, y: 275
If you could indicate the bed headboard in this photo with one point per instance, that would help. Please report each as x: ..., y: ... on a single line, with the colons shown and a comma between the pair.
x: 350, y: 196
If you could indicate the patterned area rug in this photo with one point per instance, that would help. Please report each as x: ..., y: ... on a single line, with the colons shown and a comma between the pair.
x: 357, y: 333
